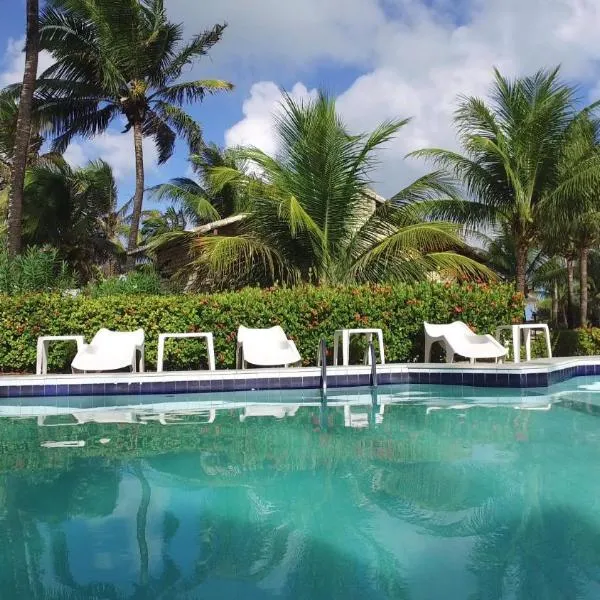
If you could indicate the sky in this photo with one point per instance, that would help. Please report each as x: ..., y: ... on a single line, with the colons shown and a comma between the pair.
x: 381, y: 59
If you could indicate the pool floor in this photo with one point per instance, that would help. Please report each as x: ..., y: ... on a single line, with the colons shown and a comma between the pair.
x: 404, y: 493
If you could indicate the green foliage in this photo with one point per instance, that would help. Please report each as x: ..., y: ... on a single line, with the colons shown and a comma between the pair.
x: 143, y: 282
x: 120, y: 58
x: 310, y: 215
x: 577, y: 342
x: 526, y: 153
x: 74, y: 211
x: 38, y: 269
x: 306, y: 313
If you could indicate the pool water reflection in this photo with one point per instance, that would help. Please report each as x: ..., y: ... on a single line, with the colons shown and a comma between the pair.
x: 434, y: 497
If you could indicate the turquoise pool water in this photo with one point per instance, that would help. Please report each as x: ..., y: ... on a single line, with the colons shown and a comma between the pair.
x: 413, y: 493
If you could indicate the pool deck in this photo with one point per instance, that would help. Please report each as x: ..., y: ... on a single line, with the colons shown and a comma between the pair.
x: 536, y: 373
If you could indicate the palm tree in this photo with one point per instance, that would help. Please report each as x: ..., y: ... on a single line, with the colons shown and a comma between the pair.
x: 198, y: 199
x: 511, y: 166
x: 156, y: 223
x: 501, y: 257
x: 310, y: 215
x: 23, y: 128
x: 119, y: 59
x: 574, y: 238
x: 72, y: 210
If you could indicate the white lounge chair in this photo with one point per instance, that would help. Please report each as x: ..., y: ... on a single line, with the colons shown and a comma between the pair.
x: 111, y: 351
x: 458, y: 338
x: 265, y: 348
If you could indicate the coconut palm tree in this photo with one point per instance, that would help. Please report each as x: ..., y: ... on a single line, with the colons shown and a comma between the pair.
x: 122, y: 59
x: 156, y: 223
x: 310, y: 215
x: 23, y: 128
x: 511, y: 166
x: 72, y: 210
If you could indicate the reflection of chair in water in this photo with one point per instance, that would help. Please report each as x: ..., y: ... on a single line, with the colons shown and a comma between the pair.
x: 430, y: 409
x: 279, y: 411
x: 178, y: 417
x: 92, y: 416
x: 361, y: 420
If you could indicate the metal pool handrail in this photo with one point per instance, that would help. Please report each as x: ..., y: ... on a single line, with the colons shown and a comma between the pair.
x: 373, y: 365
x: 323, y: 356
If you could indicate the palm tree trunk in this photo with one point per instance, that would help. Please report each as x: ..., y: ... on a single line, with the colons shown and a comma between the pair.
x: 23, y: 129
x: 521, y: 267
x: 138, y: 197
x: 141, y: 525
x: 583, y: 285
x: 554, y: 316
x: 571, y: 289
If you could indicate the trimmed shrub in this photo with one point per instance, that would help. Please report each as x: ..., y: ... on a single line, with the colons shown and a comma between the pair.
x: 306, y: 313
x: 576, y: 342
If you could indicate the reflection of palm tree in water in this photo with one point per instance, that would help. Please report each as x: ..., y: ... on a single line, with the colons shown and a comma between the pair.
x: 531, y: 538
x: 142, y: 523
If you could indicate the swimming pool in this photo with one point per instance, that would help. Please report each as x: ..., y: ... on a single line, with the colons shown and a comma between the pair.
x: 414, y: 491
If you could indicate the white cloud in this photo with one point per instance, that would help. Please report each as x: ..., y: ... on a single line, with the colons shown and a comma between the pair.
x: 116, y: 149
x: 256, y: 128
x: 289, y: 33
x: 13, y: 62
x: 417, y: 58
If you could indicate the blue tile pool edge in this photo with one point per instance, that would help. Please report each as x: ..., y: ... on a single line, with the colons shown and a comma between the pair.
x: 524, y: 375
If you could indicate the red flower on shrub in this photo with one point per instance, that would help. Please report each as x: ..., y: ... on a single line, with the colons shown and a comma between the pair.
x: 458, y: 309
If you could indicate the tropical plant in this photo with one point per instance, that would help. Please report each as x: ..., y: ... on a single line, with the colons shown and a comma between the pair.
x: 156, y: 224
x: 310, y: 215
x: 575, y: 236
x: 143, y: 281
x: 121, y: 59
x: 511, y: 169
x: 199, y: 200
x: 74, y: 211
x: 37, y: 269
x: 23, y: 128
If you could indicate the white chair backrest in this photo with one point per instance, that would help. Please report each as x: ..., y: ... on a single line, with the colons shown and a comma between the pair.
x: 272, y: 336
x: 107, y: 337
x: 439, y: 330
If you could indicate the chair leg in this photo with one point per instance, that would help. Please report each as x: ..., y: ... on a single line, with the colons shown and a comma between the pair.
x: 427, y: 357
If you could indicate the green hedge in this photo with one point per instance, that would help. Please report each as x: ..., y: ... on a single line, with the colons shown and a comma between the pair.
x: 577, y: 342
x: 306, y: 313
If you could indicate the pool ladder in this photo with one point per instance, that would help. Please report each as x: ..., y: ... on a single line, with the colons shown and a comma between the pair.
x: 323, y: 360
x: 373, y: 365
x: 323, y: 357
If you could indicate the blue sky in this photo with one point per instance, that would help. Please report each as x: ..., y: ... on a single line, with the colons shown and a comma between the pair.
x: 381, y: 58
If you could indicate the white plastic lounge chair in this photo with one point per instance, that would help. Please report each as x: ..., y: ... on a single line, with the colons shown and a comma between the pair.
x: 110, y: 351
x: 458, y: 338
x: 265, y: 348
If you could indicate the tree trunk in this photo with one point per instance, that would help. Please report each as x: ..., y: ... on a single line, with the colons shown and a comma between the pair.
x: 583, y: 285
x: 571, y: 288
x: 138, y: 197
x: 554, y: 316
x: 521, y: 267
x: 23, y: 130
x: 141, y: 526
